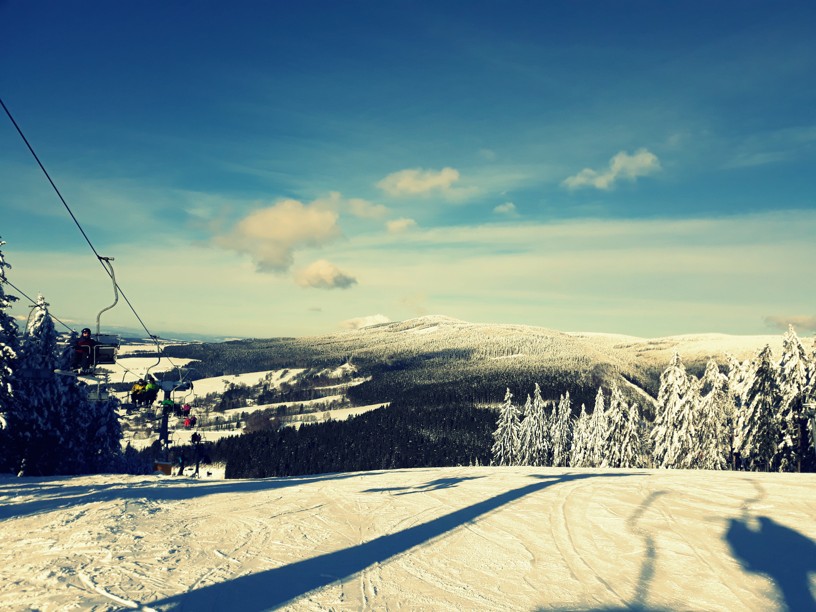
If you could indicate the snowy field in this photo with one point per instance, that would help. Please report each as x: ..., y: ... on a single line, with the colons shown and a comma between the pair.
x: 466, y: 538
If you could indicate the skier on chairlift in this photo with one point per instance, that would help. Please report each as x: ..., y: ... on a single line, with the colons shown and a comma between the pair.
x: 84, y: 351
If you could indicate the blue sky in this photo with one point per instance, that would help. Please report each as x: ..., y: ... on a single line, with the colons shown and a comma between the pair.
x: 276, y: 168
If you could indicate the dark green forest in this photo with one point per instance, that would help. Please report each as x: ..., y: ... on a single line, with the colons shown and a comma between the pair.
x: 403, y: 435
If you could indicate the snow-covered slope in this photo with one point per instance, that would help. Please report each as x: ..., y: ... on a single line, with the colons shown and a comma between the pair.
x: 426, y: 539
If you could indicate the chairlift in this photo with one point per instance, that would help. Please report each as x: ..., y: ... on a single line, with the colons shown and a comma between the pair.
x: 182, y: 384
x: 105, y: 346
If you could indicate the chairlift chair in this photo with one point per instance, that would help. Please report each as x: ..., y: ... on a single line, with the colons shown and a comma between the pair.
x: 105, y: 347
x: 107, y: 344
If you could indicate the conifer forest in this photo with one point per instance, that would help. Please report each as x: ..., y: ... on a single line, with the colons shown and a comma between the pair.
x: 452, y: 393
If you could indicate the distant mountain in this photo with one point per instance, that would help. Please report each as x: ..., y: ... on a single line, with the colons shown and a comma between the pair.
x: 437, y: 359
x: 138, y: 335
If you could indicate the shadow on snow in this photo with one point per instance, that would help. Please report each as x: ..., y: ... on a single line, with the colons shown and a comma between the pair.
x: 434, y: 485
x: 63, y: 497
x: 763, y: 546
x: 275, y: 587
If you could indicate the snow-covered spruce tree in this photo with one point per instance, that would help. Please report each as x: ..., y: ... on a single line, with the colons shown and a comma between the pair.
x: 811, y: 403
x: 579, y: 453
x: 623, y: 435
x: 737, y: 378
x: 631, y: 453
x: 561, y: 432
x: 669, y: 413
x: 714, y: 417
x: 9, y: 341
x: 535, y: 438
x: 53, y: 427
x: 9, y: 347
x: 793, y: 388
x: 506, y: 437
x: 597, y: 432
x: 35, y: 440
x: 757, y: 424
x: 686, y: 438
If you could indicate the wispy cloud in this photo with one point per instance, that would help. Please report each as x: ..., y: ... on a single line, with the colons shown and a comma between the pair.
x: 397, y: 226
x: 621, y: 167
x: 271, y: 234
x: 419, y: 182
x: 800, y: 322
x: 366, y: 210
x: 367, y: 321
x: 508, y: 208
x: 323, y: 274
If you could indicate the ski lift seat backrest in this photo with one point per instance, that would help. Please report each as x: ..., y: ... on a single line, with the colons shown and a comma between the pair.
x: 98, y: 394
x: 105, y: 349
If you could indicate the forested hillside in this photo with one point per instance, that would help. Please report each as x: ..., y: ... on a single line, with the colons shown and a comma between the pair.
x: 401, y: 436
x: 438, y: 360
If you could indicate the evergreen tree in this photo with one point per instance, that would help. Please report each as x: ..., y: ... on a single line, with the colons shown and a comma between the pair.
x: 686, y: 437
x: 671, y: 407
x: 757, y: 424
x: 526, y: 408
x: 52, y: 427
x: 793, y: 389
x: 810, y: 407
x: 9, y: 348
x: 597, y: 432
x: 737, y: 376
x: 623, y: 435
x: 579, y: 453
x: 561, y: 432
x: 9, y: 343
x: 631, y: 444
x: 535, y: 439
x: 506, y: 437
x: 713, y: 418
x: 34, y: 437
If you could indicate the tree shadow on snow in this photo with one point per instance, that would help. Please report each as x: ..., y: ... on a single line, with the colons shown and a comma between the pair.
x: 763, y: 546
x: 647, y: 568
x: 63, y: 497
x: 434, y: 485
x: 273, y: 588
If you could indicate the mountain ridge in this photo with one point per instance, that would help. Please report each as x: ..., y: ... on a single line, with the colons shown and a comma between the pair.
x: 439, y: 359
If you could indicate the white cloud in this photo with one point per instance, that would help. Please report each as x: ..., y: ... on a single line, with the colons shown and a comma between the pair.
x: 397, y: 226
x: 270, y: 235
x: 800, y: 323
x: 368, y: 321
x: 323, y: 274
x: 416, y: 181
x: 508, y: 208
x: 621, y: 167
x: 365, y: 209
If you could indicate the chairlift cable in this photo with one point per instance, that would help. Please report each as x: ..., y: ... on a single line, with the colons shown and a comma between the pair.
x: 99, y: 258
x: 21, y: 292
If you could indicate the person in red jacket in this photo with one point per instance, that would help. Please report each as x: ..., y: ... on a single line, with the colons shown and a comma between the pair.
x: 84, y: 351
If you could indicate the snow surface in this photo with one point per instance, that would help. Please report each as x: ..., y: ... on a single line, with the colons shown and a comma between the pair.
x: 468, y: 538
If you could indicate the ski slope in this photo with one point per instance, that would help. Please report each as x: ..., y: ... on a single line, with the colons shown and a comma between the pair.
x: 468, y: 538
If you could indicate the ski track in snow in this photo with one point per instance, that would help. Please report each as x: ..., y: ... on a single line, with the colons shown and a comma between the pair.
x: 464, y: 538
